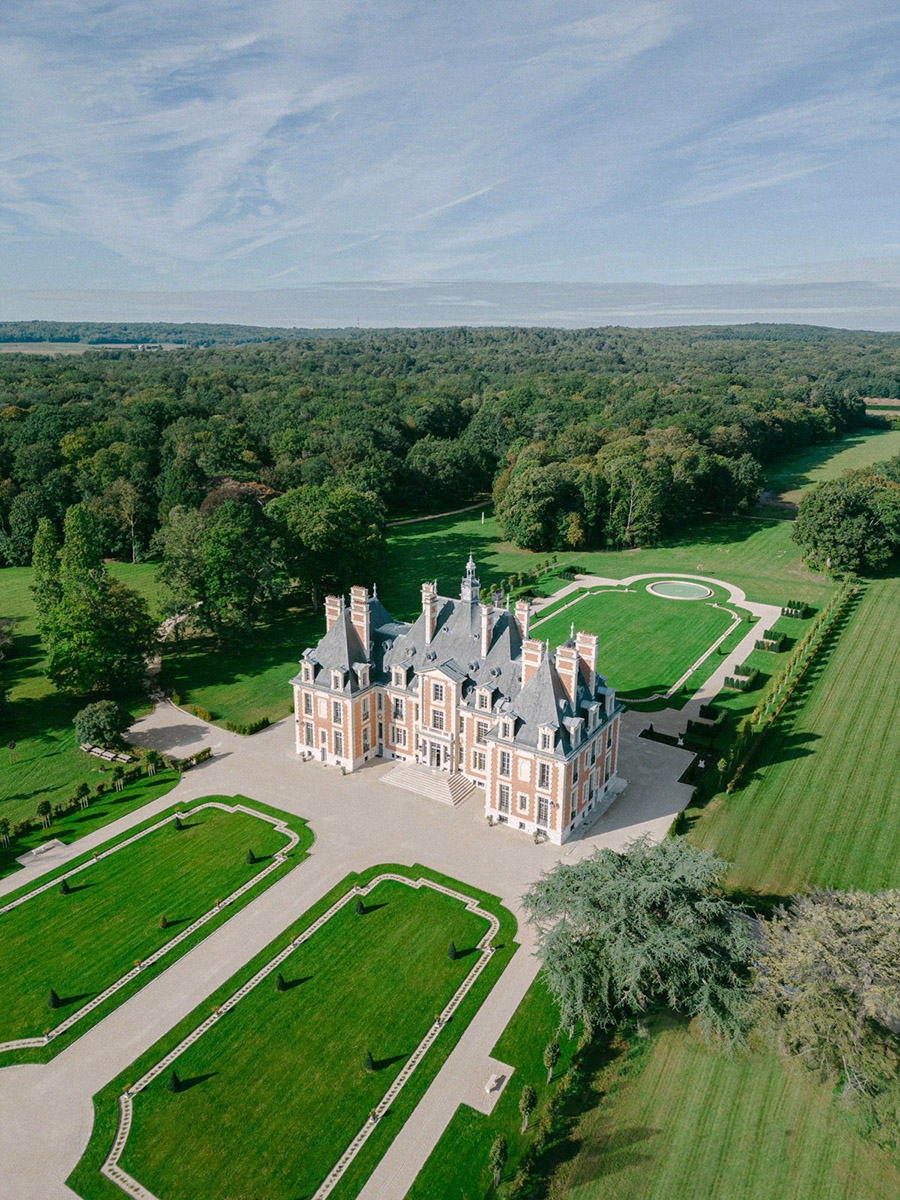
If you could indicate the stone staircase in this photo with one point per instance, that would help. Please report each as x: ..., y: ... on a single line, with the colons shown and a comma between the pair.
x: 429, y: 782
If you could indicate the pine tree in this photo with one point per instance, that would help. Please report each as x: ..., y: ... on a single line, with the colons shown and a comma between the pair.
x: 251, y: 858
x: 370, y: 1062
x: 527, y: 1104
x: 163, y: 922
x: 551, y: 1057
x: 452, y: 952
x: 280, y: 985
x: 53, y: 1000
x: 177, y: 823
x: 174, y: 1084
x: 497, y: 1158
x: 359, y: 908
x: 64, y: 888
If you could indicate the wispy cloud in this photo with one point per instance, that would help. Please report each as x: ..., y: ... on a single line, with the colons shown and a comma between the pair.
x: 234, y: 144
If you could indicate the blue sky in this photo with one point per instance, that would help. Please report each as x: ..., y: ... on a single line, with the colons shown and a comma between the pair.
x: 220, y: 146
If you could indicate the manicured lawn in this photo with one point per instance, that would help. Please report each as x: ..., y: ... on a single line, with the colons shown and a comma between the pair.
x: 755, y: 555
x: 817, y: 464
x: 646, y: 642
x: 80, y: 943
x: 457, y: 1168
x: 687, y: 1124
x: 820, y: 808
x: 47, y: 764
x: 102, y: 809
x: 277, y: 1088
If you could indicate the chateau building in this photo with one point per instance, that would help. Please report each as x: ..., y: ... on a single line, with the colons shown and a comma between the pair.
x: 464, y: 688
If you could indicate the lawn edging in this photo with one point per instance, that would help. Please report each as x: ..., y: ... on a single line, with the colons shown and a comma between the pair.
x: 87, y: 1179
x: 43, y: 1049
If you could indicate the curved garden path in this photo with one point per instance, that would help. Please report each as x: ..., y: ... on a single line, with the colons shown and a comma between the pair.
x: 46, y: 1112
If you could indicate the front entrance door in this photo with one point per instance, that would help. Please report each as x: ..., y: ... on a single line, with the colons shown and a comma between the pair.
x: 434, y: 754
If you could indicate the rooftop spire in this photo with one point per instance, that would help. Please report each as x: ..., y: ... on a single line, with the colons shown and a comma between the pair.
x: 470, y: 589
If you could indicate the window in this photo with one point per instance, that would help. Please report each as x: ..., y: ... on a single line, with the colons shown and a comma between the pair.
x: 365, y: 708
x: 484, y: 700
x: 437, y: 693
x: 593, y: 752
x: 608, y: 770
x: 323, y: 738
x: 522, y: 803
x: 337, y: 680
x: 505, y: 765
x: 367, y: 742
x: 337, y: 712
x: 380, y: 732
x: 543, y: 816
x: 307, y: 704
x: 543, y: 775
x: 477, y: 760
x: 307, y: 673
x: 575, y: 771
x: 505, y: 729
x: 503, y: 798
x: 397, y: 734
x: 399, y: 677
x: 481, y: 732
x: 378, y: 702
x: 546, y: 739
x: 397, y: 708
x: 308, y: 733
x: 437, y: 719
x: 338, y: 745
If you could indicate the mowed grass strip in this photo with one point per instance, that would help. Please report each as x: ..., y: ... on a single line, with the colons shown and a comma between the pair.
x: 277, y: 1089
x: 78, y: 944
x: 689, y: 1124
x: 646, y: 642
x: 820, y: 807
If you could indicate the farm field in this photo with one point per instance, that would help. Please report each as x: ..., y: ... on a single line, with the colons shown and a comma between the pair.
x: 275, y: 1091
x: 81, y: 942
x: 689, y: 1124
x: 791, y: 477
x: 820, y: 808
x: 646, y: 642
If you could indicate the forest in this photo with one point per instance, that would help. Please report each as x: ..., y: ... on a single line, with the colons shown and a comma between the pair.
x: 300, y: 447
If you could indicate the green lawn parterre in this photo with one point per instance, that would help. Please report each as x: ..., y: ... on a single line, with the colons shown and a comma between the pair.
x: 81, y: 943
x: 646, y: 642
x: 793, y: 475
x: 277, y: 1087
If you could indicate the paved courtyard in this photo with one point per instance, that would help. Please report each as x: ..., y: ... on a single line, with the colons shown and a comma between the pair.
x: 358, y: 821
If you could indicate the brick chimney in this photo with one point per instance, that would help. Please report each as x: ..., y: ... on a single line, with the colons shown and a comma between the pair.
x: 567, y: 669
x: 359, y: 614
x: 333, y: 607
x: 523, y: 616
x: 586, y: 645
x: 429, y: 609
x: 487, y: 625
x: 532, y: 656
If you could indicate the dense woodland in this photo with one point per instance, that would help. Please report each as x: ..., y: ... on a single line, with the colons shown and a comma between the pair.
x: 298, y: 449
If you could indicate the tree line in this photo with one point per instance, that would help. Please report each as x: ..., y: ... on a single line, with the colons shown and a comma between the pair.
x: 588, y: 437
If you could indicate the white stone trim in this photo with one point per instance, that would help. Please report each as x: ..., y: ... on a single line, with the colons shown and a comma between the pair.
x: 111, y: 1169
x: 278, y: 859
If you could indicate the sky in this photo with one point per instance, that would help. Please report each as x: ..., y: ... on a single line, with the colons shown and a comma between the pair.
x: 738, y: 159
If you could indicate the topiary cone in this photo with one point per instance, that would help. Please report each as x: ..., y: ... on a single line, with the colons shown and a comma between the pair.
x: 53, y: 1000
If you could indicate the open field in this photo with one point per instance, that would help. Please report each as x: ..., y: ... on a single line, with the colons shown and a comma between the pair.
x: 791, y: 477
x: 820, y: 805
x: 687, y: 1124
x: 457, y: 1168
x: 646, y: 642
x: 47, y: 764
x: 81, y: 943
x: 62, y: 348
x: 277, y: 1089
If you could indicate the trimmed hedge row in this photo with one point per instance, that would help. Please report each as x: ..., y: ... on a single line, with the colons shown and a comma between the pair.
x: 247, y: 730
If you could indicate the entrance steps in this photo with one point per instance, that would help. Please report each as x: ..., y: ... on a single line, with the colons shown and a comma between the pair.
x: 430, y: 782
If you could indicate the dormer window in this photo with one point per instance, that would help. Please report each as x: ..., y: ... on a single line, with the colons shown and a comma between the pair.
x: 484, y: 700
x: 307, y: 673
x: 363, y: 676
x: 506, y: 729
x: 437, y: 693
x: 337, y: 680
x: 399, y: 677
x: 546, y: 739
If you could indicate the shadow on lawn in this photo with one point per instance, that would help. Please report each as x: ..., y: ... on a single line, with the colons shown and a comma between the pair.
x: 186, y: 1084
x: 68, y: 1001
x: 381, y: 1064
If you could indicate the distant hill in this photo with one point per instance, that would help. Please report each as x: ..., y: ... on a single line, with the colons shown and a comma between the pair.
x: 101, y: 333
